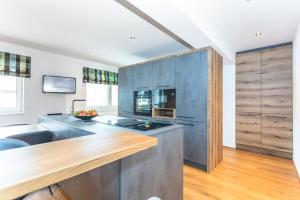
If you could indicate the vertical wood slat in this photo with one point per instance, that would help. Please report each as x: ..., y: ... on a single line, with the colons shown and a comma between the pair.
x: 215, y: 147
x: 209, y: 114
x: 209, y: 111
x: 277, y: 99
x: 213, y: 127
x: 220, y: 109
x: 214, y: 110
x: 248, y: 99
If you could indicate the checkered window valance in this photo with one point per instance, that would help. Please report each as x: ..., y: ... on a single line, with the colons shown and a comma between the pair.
x: 91, y: 75
x: 15, y: 65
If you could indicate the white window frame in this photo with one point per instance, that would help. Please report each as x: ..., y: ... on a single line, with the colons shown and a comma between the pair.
x: 20, y: 100
x: 109, y: 107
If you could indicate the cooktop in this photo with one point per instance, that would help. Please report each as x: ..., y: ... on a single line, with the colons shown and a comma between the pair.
x: 149, y: 125
x: 136, y: 124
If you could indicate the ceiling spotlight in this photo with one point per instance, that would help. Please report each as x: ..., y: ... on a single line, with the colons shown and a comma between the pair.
x: 132, y: 37
x: 258, y: 34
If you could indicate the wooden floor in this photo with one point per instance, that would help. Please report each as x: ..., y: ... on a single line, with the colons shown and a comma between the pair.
x: 244, y: 175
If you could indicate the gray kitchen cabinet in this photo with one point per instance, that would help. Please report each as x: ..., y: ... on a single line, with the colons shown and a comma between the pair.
x: 191, y: 86
x: 164, y: 74
x: 100, y: 183
x: 156, y: 172
x: 195, y: 142
x: 197, y: 78
x: 126, y: 91
x: 143, y: 77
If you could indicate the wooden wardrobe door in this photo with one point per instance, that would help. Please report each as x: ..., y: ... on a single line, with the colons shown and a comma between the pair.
x: 277, y: 96
x: 248, y: 99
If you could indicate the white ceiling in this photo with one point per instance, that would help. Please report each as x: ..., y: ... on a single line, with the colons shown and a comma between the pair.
x: 180, y: 23
x: 97, y: 30
x: 237, y: 21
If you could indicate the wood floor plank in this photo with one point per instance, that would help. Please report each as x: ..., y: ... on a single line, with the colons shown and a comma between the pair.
x: 244, y: 175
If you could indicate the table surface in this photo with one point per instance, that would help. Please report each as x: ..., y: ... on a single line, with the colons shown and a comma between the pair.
x: 31, y: 168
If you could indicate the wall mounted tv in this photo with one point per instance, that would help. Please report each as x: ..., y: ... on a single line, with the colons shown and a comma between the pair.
x: 59, y: 84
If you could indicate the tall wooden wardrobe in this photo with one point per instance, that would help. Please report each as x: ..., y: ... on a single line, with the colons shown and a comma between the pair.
x: 264, y: 106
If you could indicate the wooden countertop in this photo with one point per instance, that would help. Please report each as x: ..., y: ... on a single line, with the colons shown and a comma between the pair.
x: 31, y: 168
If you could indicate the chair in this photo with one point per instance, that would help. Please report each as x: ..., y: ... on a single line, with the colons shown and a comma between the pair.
x: 9, y: 143
x: 56, y: 193
x: 52, y: 192
x: 34, y: 138
x: 31, y: 134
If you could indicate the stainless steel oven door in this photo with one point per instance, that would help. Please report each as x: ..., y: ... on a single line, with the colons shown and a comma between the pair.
x: 143, y: 102
x: 164, y: 98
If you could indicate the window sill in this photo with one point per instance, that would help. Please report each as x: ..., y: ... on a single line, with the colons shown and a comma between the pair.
x: 12, y: 113
x: 104, y: 108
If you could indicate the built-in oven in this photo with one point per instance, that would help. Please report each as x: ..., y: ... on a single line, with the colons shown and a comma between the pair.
x: 164, y: 98
x: 143, y: 103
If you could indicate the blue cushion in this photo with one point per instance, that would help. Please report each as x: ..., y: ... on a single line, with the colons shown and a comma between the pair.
x: 35, y: 137
x: 6, y: 144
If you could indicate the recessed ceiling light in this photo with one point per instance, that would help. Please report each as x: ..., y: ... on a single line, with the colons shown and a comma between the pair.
x: 258, y: 34
x: 132, y: 37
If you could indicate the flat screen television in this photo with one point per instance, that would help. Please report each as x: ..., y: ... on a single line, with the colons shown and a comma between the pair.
x: 59, y: 84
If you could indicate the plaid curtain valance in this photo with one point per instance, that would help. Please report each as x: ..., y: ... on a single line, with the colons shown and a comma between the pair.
x: 15, y: 65
x: 91, y: 75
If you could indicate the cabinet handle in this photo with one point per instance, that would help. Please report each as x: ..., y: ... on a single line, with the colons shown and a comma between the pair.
x: 186, y: 124
x: 142, y: 88
x: 169, y: 122
x: 161, y: 86
x: 186, y: 117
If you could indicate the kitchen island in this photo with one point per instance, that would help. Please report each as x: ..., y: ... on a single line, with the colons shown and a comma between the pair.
x: 91, y: 161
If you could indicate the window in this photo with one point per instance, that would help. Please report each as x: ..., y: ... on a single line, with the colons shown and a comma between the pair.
x: 11, y: 95
x: 101, y: 96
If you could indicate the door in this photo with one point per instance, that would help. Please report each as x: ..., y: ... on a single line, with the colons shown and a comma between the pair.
x: 143, y: 103
x: 125, y: 91
x: 248, y: 99
x: 143, y: 76
x: 191, y: 86
x: 164, y: 74
x: 195, y: 142
x: 277, y: 96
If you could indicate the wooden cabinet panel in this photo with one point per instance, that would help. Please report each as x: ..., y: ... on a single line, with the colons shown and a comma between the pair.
x: 164, y: 74
x: 191, y: 86
x: 143, y: 76
x: 277, y: 99
x: 125, y: 91
x: 248, y: 99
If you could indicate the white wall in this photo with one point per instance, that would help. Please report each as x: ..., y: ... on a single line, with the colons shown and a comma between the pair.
x: 296, y: 100
x: 36, y: 102
x: 229, y: 105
